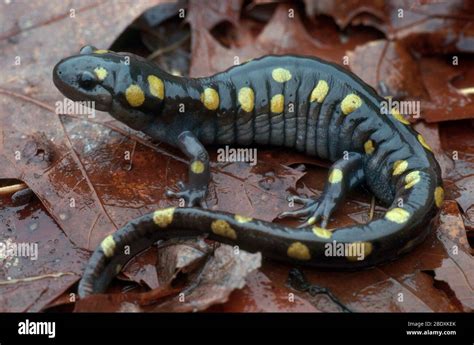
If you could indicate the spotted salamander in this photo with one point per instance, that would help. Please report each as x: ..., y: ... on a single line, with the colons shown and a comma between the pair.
x: 296, y: 102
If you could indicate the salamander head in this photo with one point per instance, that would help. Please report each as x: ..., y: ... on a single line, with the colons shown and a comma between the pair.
x: 87, y: 77
x: 129, y: 88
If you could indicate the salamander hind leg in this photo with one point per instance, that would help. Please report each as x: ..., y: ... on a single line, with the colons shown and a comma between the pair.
x: 344, y: 175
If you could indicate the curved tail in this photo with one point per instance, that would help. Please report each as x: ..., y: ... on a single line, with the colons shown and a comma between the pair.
x: 404, y: 225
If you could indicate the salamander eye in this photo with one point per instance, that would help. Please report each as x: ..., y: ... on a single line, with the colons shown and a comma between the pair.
x: 87, y: 80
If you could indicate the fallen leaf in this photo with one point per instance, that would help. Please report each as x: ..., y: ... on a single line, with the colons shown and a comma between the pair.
x: 31, y: 278
x: 223, y: 273
x: 389, y: 67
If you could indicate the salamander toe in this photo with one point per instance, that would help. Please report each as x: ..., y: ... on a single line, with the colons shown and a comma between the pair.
x: 193, y: 197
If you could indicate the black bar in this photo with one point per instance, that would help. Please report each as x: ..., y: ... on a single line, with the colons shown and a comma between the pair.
x: 214, y: 328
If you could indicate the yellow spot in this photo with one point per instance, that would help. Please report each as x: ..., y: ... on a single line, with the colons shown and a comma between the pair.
x: 335, y: 176
x: 412, y: 179
x: 439, y: 196
x: 163, y: 217
x: 277, y: 103
x: 134, y: 95
x: 118, y: 268
x: 210, y: 98
x: 156, y: 86
x: 358, y: 251
x: 320, y: 232
x: 399, y: 167
x: 197, y: 167
x: 101, y: 73
x: 369, y: 147
x: 311, y: 220
x: 423, y: 142
x: 281, y: 75
x: 319, y: 92
x: 396, y: 114
x: 101, y: 51
x: 350, y: 103
x: 299, y: 251
x: 222, y: 228
x: 397, y: 215
x: 242, y: 219
x: 246, y: 99
x: 108, y: 246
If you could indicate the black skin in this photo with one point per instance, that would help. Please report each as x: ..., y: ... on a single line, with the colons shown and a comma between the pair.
x: 327, y: 129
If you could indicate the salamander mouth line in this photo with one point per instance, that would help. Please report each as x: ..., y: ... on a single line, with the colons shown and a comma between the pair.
x: 100, y: 96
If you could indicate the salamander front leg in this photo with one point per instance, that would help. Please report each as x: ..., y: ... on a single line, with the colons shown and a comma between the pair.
x: 194, y: 192
x: 344, y: 175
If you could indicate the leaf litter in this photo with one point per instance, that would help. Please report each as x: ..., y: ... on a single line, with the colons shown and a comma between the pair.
x: 76, y: 158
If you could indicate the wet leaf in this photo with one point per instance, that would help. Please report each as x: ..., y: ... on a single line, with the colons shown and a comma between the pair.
x: 457, y: 271
x: 281, y: 35
x: 38, y: 262
x: 262, y: 295
x: 389, y: 67
x: 93, y: 174
x: 142, y: 269
x: 425, y: 25
x: 207, y: 282
x: 180, y: 257
x: 31, y: 131
x: 446, y: 101
x: 224, y: 272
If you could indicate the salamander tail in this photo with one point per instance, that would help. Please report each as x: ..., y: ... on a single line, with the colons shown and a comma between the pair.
x: 405, y: 224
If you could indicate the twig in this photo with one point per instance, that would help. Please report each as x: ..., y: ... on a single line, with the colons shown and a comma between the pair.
x: 12, y: 188
x: 30, y: 279
x: 372, y: 208
x: 467, y: 91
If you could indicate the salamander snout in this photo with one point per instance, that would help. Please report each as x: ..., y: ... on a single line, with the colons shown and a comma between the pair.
x: 83, y: 78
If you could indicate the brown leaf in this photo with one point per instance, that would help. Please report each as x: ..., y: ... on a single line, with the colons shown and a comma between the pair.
x: 425, y: 25
x: 281, y: 35
x: 457, y: 271
x: 142, y: 269
x: 388, y: 65
x: 262, y: 295
x: 206, y: 283
x: 119, y: 302
x: 258, y: 191
x: 180, y: 256
x: 49, y: 165
x: 446, y: 102
x: 31, y: 278
x: 223, y: 273
x: 82, y: 160
x: 458, y: 141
